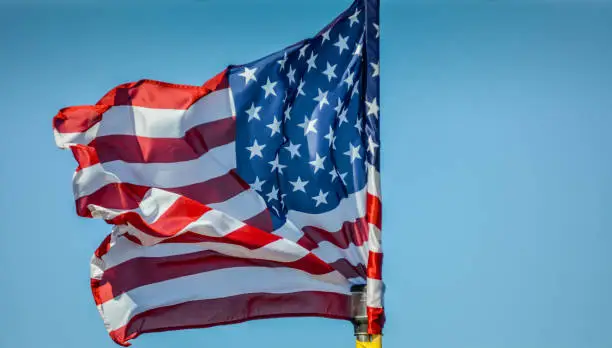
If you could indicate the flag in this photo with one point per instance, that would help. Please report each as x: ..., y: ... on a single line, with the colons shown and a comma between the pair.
x: 255, y: 195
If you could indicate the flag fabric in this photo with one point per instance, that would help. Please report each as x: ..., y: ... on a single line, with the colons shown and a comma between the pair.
x: 255, y: 195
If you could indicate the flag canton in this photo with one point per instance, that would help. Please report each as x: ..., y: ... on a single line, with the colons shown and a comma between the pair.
x: 302, y: 136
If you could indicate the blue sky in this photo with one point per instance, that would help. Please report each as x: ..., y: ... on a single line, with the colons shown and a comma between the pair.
x: 497, y: 173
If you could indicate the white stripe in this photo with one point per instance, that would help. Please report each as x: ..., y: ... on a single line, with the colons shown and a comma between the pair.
x: 374, y: 238
x: 350, y: 209
x: 374, y: 293
x: 330, y: 253
x: 64, y: 140
x: 289, y: 231
x: 243, y: 206
x: 214, y: 223
x: 212, y: 164
x: 216, y: 284
x: 96, y: 268
x: 373, y: 181
x: 164, y: 123
x: 231, y: 101
x: 124, y: 250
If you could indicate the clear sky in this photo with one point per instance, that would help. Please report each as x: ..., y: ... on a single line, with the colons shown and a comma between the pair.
x: 497, y: 163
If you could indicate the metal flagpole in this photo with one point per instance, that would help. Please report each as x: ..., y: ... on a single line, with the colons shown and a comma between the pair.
x: 359, y: 296
x: 360, y: 319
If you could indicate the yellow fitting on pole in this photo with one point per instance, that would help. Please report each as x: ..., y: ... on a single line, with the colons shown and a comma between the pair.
x: 376, y: 342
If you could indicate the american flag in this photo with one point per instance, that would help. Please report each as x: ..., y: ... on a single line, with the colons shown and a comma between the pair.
x: 256, y: 195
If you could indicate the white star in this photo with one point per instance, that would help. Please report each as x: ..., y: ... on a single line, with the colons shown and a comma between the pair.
x: 269, y: 88
x: 342, y: 117
x: 282, y: 62
x: 318, y: 162
x: 372, y: 107
x: 291, y: 75
x: 303, y: 51
x: 299, y: 185
x: 257, y: 185
x: 338, y: 107
x: 308, y: 125
x: 274, y: 126
x: 301, y: 88
x: 330, y: 136
x: 341, y: 44
x: 322, y: 98
x: 253, y: 112
x: 288, y: 112
x: 330, y: 72
x: 354, y: 18
x: 372, y: 146
x: 376, y: 67
x: 333, y: 174
x: 256, y: 149
x: 343, y: 178
x: 276, y: 165
x: 353, y: 152
x: 358, y: 125
x: 377, y: 30
x: 321, y: 198
x: 349, y: 80
x: 294, y: 149
x: 325, y: 36
x: 273, y: 195
x: 358, y: 49
x: 248, y: 74
x: 312, y: 61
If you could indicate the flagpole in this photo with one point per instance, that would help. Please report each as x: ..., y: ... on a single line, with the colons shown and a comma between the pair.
x: 360, y: 319
x: 363, y: 325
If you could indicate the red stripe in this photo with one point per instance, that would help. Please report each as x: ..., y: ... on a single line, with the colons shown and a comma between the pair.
x: 146, y: 93
x: 86, y: 156
x: 216, y: 190
x: 76, y: 119
x: 162, y: 95
x: 246, y: 236
x: 220, y: 81
x: 376, y: 320
x: 134, y: 149
x: 144, y: 271
x: 351, y: 232
x: 261, y: 221
x: 234, y: 309
x: 104, y: 247
x: 375, y: 265
x: 344, y: 267
x: 121, y: 196
x: 374, y: 211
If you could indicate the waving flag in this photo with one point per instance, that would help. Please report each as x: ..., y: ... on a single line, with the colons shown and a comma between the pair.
x: 256, y: 195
